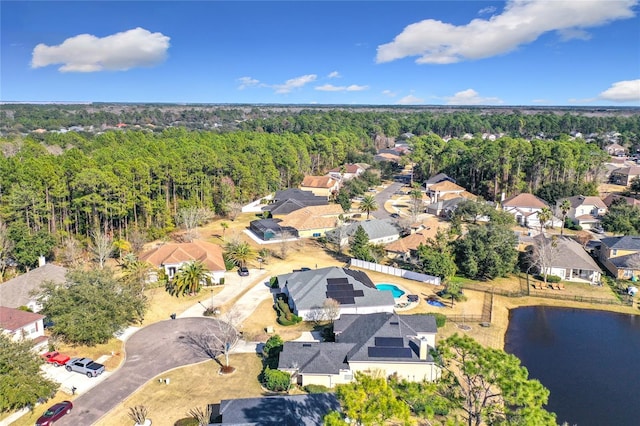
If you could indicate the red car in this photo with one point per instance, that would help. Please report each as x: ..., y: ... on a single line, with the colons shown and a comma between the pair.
x: 55, y: 358
x: 54, y: 413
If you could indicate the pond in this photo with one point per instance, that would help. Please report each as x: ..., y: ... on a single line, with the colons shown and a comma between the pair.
x: 589, y: 360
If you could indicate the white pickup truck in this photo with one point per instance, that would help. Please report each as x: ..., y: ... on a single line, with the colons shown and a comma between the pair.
x: 85, y: 366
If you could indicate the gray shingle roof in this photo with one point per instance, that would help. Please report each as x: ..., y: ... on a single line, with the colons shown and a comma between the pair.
x: 308, y: 289
x: 293, y: 199
x: 17, y: 291
x: 570, y: 254
x: 375, y: 228
x: 314, y: 357
x: 628, y: 242
x: 289, y: 410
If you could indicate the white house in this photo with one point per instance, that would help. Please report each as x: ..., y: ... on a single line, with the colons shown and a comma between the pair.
x: 19, y: 324
x: 585, y: 211
x: 525, y: 207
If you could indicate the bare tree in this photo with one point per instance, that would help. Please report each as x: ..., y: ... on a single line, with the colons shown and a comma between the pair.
x: 543, y: 253
x: 5, y: 247
x: 331, y: 308
x: 216, y: 339
x: 71, y: 252
x: 203, y: 416
x: 285, y: 244
x: 191, y: 218
x: 316, y: 315
x: 235, y: 208
x: 101, y: 247
x: 338, y: 237
x: 137, y: 240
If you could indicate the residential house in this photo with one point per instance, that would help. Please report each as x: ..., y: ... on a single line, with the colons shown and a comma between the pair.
x: 172, y: 256
x: 23, y: 289
x: 382, y: 342
x: 346, y: 172
x: 379, y: 231
x: 283, y: 410
x: 440, y: 177
x: 321, y: 186
x: 585, y: 211
x: 615, y: 149
x: 525, y: 207
x: 630, y: 201
x: 19, y: 324
x: 289, y: 200
x: 448, y: 203
x: 444, y: 190
x: 405, y: 248
x: 271, y: 229
x: 621, y: 256
x: 387, y: 157
x: 308, y: 290
x: 313, y: 221
x: 565, y: 258
x: 624, y: 175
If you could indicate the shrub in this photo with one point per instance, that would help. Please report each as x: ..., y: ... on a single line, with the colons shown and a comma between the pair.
x: 187, y: 421
x: 316, y: 389
x: 553, y: 279
x: 272, y: 350
x: 276, y: 380
x: 441, y: 320
x: 273, y: 282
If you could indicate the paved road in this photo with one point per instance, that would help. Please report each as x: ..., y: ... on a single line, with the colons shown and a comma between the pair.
x: 384, y: 196
x: 149, y: 352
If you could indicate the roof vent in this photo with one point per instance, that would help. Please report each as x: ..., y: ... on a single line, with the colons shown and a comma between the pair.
x: 306, y: 345
x: 394, y: 323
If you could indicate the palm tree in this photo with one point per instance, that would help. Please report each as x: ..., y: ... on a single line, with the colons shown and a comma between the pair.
x: 544, y: 215
x: 239, y: 252
x: 565, y: 206
x: 189, y: 278
x: 135, y: 272
x: 224, y: 226
x: 368, y: 205
x: 416, y: 202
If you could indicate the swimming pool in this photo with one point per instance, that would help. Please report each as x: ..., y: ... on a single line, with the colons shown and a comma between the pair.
x: 392, y: 288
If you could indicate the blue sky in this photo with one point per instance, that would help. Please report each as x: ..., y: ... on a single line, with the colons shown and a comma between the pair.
x: 519, y: 52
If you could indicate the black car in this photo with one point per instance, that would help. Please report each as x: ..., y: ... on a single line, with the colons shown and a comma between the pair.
x: 243, y: 271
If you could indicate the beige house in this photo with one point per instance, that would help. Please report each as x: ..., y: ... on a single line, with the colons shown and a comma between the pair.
x: 621, y: 256
x: 346, y: 172
x: 313, y: 221
x: 624, y: 175
x: 321, y: 186
x: 24, y: 289
x: 172, y: 256
x: 19, y: 324
x: 384, y: 343
x: 405, y: 247
x: 525, y: 207
x: 444, y: 190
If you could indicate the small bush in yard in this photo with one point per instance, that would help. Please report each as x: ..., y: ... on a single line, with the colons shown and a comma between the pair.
x: 553, y: 279
x: 441, y: 320
x: 187, y: 421
x: 276, y: 380
x: 316, y: 389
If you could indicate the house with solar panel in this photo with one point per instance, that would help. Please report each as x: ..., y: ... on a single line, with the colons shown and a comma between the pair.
x: 357, y: 294
x: 383, y: 342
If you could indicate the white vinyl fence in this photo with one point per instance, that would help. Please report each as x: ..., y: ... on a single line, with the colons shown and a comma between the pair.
x: 396, y: 272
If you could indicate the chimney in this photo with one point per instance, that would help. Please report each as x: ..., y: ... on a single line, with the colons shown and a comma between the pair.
x: 42, y: 261
x: 424, y: 349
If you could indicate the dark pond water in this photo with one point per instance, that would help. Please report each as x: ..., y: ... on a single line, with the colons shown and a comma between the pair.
x: 589, y: 360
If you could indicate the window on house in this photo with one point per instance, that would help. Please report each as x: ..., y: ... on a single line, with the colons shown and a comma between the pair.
x: 172, y: 272
x: 614, y: 252
x: 316, y: 234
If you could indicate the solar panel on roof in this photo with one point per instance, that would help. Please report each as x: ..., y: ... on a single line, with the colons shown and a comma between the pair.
x: 389, y: 352
x: 358, y: 293
x: 389, y: 341
x: 337, y: 281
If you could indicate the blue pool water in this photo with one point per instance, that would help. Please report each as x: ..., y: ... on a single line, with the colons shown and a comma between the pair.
x: 437, y: 303
x: 392, y: 288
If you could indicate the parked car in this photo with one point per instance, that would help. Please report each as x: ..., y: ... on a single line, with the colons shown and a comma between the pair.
x: 85, y: 366
x: 243, y: 271
x: 54, y: 413
x: 395, y: 215
x: 55, y: 358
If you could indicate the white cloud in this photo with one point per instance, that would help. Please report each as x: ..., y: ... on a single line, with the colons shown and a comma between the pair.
x: 410, y: 100
x: 117, y: 52
x: 334, y: 74
x: 471, y: 97
x: 247, y: 82
x: 622, y: 91
x: 521, y: 22
x: 389, y: 93
x: 332, y: 88
x: 487, y: 10
x: 295, y: 83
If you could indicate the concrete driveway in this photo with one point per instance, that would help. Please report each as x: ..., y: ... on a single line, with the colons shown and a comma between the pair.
x: 149, y: 352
